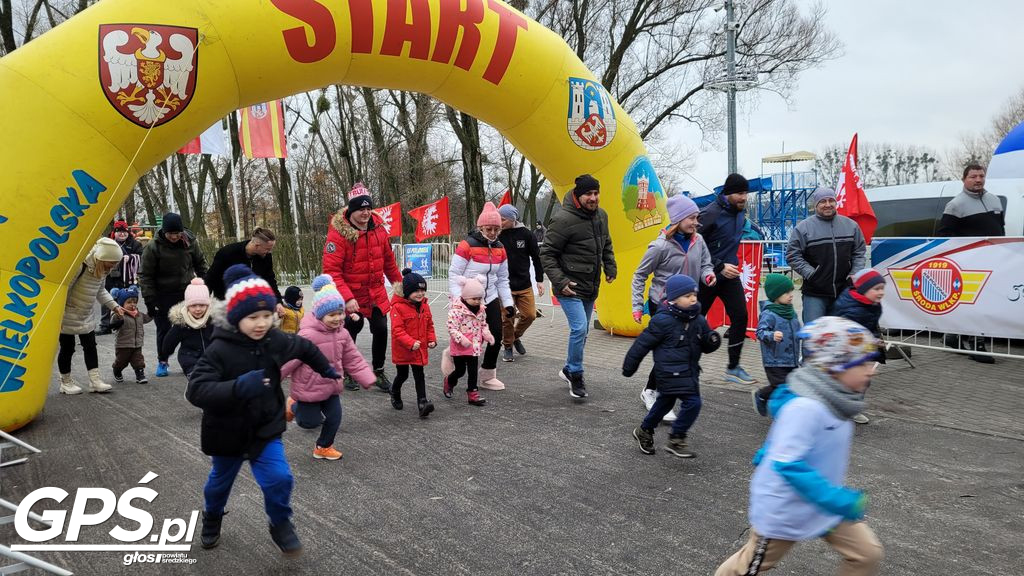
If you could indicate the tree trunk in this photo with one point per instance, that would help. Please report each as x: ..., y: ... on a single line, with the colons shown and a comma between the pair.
x: 467, y: 130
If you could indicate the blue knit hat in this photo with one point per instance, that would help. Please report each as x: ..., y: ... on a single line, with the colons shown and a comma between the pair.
x: 326, y: 298
x: 246, y: 293
x: 678, y: 285
x: 123, y: 295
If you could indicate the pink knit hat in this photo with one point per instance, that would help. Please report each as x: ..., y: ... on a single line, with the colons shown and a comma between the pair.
x: 473, y: 287
x: 197, y: 293
x: 489, y: 217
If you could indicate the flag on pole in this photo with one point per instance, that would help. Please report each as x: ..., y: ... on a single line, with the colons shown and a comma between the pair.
x: 506, y: 198
x: 751, y: 259
x: 431, y: 219
x: 262, y: 131
x: 851, y: 200
x: 209, y: 142
x: 392, y: 217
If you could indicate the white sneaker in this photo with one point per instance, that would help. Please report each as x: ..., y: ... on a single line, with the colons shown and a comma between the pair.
x: 860, y: 418
x: 648, y: 396
x: 670, y: 417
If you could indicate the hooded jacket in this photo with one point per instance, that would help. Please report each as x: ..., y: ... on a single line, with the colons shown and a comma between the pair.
x: 825, y: 252
x: 675, y: 336
x: 468, y: 330
x: 475, y: 256
x: 521, y: 246
x: 664, y: 258
x: 783, y: 354
x: 409, y: 324
x: 576, y: 247
x: 233, y: 426
x: 339, y: 348
x: 852, y: 305
x: 86, y: 289
x: 168, y: 267
x: 193, y: 336
x: 130, y: 329
x: 358, y: 260
x: 234, y: 253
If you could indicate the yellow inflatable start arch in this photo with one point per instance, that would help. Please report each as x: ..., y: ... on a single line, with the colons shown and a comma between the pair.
x: 93, y: 104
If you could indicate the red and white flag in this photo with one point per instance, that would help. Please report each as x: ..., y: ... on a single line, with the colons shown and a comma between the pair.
x: 209, y: 142
x: 261, y: 131
x: 506, y: 198
x: 392, y: 217
x: 751, y: 257
x: 850, y: 197
x: 431, y: 220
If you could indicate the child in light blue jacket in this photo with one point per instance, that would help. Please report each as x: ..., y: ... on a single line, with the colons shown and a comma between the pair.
x: 777, y: 330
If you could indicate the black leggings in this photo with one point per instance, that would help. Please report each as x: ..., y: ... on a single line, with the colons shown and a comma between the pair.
x: 402, y: 374
x: 378, y: 331
x: 464, y: 365
x: 730, y: 291
x: 159, y: 311
x: 652, y: 383
x: 67, y: 350
x: 494, y: 325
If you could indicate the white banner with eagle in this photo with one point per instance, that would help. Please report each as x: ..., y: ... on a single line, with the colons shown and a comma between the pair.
x: 970, y: 286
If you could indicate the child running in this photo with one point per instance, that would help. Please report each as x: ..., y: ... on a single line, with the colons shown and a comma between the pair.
x: 777, y: 328
x: 191, y: 327
x: 678, y: 335
x: 131, y: 335
x: 315, y: 400
x: 237, y: 383
x: 797, y: 492
x: 467, y: 326
x: 412, y: 335
x: 293, y: 311
x: 863, y: 305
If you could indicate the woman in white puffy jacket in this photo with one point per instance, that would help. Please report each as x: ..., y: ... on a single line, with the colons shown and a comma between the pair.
x: 80, y: 317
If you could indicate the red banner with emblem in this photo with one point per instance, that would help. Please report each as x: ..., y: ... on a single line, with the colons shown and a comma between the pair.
x: 751, y: 258
x: 431, y: 220
x: 851, y: 201
x: 261, y: 132
x: 392, y: 217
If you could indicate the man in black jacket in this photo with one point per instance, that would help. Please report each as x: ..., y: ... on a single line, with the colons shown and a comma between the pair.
x: 254, y: 253
x: 576, y: 248
x: 521, y: 248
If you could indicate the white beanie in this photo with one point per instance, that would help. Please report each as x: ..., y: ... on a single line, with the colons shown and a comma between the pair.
x: 106, y: 250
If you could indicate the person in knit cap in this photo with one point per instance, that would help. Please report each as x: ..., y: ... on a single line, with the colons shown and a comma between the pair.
x: 826, y: 249
x: 191, y: 327
x: 482, y: 254
x: 797, y: 491
x: 237, y: 384
x: 315, y: 400
x: 525, y: 274
x: 722, y: 223
x: 80, y: 318
x: 126, y: 272
x: 677, y: 335
x: 169, y: 263
x: 293, y: 310
x: 863, y: 304
x: 577, y: 251
x: 131, y: 335
x: 468, y: 332
x: 357, y: 255
x: 412, y: 338
x: 679, y: 249
x: 777, y: 330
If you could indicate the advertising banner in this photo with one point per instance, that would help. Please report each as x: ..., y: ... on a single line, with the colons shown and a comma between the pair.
x: 420, y: 258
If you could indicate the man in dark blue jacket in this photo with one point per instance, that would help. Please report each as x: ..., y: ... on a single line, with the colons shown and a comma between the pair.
x: 721, y: 225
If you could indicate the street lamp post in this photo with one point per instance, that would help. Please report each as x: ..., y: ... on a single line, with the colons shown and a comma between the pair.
x: 732, y: 80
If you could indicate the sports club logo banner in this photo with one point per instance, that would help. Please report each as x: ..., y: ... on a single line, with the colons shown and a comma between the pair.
x: 958, y: 285
x: 751, y: 258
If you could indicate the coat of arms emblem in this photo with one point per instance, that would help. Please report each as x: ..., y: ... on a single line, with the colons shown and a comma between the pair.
x: 148, y: 72
x: 591, y: 116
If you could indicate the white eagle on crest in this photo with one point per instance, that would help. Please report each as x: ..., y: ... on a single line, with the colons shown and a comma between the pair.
x: 147, y: 81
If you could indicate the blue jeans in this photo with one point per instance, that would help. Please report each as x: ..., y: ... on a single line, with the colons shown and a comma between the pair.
x: 815, y: 307
x: 271, y: 472
x: 689, y: 409
x: 326, y: 412
x: 578, y: 312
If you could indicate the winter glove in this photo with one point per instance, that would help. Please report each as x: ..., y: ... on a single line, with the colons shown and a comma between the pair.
x: 250, y: 385
x: 856, y: 510
x: 510, y: 312
x: 331, y: 373
x: 710, y: 342
x: 638, y: 316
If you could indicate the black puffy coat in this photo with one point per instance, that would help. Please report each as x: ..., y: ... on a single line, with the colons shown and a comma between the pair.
x: 860, y: 310
x: 233, y: 426
x: 193, y: 341
x: 576, y: 247
x: 678, y: 338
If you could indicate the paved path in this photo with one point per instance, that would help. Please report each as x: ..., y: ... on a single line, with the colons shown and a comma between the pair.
x: 536, y: 483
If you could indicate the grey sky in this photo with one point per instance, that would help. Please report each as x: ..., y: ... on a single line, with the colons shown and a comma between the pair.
x: 913, y: 72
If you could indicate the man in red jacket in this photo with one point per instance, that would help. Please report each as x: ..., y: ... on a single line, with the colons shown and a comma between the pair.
x: 358, y: 255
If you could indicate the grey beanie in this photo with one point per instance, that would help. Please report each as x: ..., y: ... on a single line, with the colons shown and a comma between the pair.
x: 822, y: 193
x: 509, y: 212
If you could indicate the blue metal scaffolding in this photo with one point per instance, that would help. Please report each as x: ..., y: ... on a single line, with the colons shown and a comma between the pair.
x: 779, y: 207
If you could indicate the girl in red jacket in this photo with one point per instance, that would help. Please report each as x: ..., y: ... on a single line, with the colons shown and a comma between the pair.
x: 412, y: 333
x: 315, y: 400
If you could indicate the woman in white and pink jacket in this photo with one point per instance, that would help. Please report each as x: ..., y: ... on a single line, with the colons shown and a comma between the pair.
x: 467, y: 327
x: 315, y: 400
x: 482, y: 254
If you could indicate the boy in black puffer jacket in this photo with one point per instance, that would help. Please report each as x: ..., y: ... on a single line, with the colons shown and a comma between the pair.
x: 678, y: 335
x: 237, y: 383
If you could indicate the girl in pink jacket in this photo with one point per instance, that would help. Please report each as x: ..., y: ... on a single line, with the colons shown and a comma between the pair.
x: 467, y: 326
x: 315, y: 400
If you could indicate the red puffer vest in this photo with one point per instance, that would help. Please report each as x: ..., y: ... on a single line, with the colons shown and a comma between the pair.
x: 407, y: 326
x: 357, y: 260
